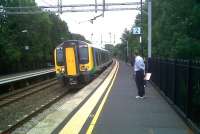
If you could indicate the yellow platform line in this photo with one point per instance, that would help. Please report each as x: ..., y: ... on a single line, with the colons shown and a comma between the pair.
x: 93, y: 122
x: 78, y: 120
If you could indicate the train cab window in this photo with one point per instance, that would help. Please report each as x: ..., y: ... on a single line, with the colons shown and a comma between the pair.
x: 83, y: 55
x: 59, y: 56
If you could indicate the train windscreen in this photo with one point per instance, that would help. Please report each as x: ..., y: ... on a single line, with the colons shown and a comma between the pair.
x: 83, y: 55
x: 59, y: 57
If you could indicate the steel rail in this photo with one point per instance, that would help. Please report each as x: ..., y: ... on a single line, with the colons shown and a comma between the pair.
x: 20, y: 95
x: 47, y: 105
x: 3, y: 96
x: 36, y: 112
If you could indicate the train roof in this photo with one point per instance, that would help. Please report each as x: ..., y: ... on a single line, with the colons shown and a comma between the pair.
x: 79, y: 41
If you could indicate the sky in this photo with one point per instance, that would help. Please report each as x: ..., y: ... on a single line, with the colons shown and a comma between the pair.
x: 107, y: 29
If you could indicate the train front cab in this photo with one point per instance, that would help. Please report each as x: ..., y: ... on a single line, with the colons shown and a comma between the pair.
x: 86, y: 61
x: 59, y: 64
x: 66, y: 63
x: 71, y: 62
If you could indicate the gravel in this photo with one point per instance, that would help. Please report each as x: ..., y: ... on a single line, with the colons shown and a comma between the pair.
x: 9, y: 115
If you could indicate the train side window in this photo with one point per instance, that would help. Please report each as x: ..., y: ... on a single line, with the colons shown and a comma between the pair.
x: 103, y: 57
x: 100, y: 57
x: 59, y: 56
x: 96, y: 56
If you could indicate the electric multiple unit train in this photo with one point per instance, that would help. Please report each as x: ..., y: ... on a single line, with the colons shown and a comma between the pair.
x: 77, y: 61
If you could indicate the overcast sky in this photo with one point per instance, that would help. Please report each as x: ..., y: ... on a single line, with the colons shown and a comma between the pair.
x: 113, y: 22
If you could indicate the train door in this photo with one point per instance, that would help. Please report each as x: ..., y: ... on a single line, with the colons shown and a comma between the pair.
x: 71, y: 63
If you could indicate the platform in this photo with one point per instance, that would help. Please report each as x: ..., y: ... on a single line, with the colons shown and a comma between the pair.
x: 121, y: 112
x: 124, y: 114
x: 24, y: 75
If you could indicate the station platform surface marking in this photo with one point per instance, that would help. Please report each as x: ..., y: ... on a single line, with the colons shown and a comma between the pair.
x: 75, y: 124
x: 124, y: 114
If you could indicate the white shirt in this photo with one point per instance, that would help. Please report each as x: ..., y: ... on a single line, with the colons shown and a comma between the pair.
x: 139, y: 63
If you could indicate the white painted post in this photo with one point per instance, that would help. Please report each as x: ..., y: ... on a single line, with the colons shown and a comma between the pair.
x: 149, y: 28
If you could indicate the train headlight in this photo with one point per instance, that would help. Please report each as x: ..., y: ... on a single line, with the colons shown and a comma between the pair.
x: 84, y: 68
x: 62, y: 69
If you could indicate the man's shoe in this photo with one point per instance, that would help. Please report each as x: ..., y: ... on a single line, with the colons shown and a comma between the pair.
x: 137, y: 97
x: 141, y: 97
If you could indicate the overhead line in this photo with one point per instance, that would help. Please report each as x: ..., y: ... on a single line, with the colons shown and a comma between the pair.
x: 47, y: 3
x: 18, y: 13
x: 75, y: 5
x: 110, y: 7
x: 86, y: 10
x: 93, y: 10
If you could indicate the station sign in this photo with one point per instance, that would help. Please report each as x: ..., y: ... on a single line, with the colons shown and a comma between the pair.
x: 2, y: 9
x: 136, y: 30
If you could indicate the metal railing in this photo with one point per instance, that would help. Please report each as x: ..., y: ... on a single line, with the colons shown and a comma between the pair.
x: 180, y: 82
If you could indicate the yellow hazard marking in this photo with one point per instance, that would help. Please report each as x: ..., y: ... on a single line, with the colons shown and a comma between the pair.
x: 78, y: 120
x: 93, y: 123
x: 71, y: 61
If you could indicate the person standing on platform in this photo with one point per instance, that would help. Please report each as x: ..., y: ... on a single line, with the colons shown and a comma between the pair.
x: 139, y: 68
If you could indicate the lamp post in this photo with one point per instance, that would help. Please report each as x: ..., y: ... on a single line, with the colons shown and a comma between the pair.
x: 91, y: 37
x: 110, y: 36
x: 141, y: 27
x: 24, y: 31
x: 127, y: 50
x: 149, y: 34
x: 26, y: 47
x: 149, y: 28
x: 62, y: 39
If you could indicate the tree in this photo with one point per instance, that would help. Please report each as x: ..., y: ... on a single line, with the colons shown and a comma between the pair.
x: 109, y: 47
x: 40, y: 32
x: 175, y: 29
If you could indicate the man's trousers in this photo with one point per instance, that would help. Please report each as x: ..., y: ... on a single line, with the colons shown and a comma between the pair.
x: 139, y: 78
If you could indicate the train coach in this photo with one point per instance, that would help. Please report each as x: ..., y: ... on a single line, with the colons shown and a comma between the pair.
x: 78, y: 61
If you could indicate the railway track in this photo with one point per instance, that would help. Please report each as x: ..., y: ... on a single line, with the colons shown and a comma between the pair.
x: 20, y: 94
x: 26, y: 105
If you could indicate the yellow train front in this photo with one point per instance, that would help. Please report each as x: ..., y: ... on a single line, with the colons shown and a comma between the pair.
x: 77, y: 61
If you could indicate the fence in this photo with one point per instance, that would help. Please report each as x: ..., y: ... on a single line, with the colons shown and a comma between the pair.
x: 180, y: 82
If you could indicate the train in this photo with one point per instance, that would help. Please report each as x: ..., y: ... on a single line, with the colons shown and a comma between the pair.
x: 77, y: 61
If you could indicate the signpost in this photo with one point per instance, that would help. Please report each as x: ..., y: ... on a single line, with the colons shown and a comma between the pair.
x: 137, y: 31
